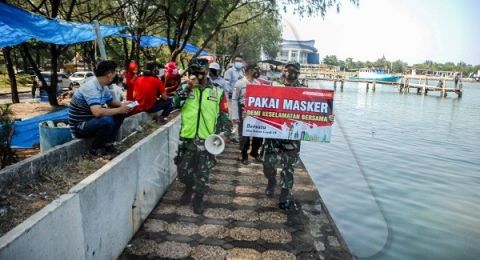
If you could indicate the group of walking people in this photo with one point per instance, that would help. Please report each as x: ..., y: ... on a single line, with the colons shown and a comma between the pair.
x: 204, y: 110
x: 204, y: 101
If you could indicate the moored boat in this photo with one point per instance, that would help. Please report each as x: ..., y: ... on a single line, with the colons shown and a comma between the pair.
x: 375, y: 75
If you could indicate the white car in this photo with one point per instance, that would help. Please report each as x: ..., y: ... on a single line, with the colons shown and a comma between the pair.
x: 79, y: 77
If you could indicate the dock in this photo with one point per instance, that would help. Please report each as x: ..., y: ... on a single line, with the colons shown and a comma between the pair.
x: 239, y: 221
x: 422, y: 86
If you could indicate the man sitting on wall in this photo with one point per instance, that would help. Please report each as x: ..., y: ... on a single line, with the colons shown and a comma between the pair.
x: 171, y: 78
x: 94, y: 113
x: 149, y: 91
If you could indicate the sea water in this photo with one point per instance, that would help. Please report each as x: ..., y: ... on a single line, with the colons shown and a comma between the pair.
x: 419, y: 157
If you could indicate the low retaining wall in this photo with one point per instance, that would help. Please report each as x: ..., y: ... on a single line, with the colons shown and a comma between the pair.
x: 26, y: 171
x: 98, y: 216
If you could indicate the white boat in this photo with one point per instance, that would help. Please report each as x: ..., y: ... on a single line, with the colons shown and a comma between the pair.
x: 375, y: 75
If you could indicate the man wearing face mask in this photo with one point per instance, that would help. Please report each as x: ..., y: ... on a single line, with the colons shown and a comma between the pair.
x: 286, y: 150
x: 233, y: 74
x: 204, y: 112
x: 149, y: 91
x: 215, y: 78
x: 238, y: 101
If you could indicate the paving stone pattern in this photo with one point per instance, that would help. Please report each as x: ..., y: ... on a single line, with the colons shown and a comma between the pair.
x: 239, y: 222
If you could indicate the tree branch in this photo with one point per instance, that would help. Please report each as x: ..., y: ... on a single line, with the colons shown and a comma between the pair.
x: 242, y: 22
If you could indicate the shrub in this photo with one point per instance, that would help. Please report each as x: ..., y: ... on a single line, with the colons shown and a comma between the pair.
x: 7, y: 156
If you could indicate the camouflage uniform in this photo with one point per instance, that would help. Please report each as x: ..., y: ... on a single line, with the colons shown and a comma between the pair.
x: 193, y: 161
x: 288, y: 153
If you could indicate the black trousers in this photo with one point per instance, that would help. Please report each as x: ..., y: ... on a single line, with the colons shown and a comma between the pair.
x: 256, y: 142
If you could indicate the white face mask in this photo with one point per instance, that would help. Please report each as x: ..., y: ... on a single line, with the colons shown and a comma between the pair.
x: 238, y: 65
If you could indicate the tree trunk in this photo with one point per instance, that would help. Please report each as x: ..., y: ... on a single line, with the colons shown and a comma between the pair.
x: 125, y: 53
x: 52, y: 89
x: 11, y: 74
x: 34, y: 65
x: 38, y: 58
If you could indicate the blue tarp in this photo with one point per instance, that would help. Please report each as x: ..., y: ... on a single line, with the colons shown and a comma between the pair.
x: 26, y: 133
x: 18, y: 26
x: 155, y: 41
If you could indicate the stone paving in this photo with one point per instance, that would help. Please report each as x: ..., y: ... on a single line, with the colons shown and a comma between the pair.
x: 239, y: 221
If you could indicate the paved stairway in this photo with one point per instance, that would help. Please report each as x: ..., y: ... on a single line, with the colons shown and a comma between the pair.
x: 239, y: 221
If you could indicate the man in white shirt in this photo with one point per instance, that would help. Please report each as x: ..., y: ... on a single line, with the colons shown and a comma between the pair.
x: 238, y: 101
x: 233, y: 74
x: 215, y: 78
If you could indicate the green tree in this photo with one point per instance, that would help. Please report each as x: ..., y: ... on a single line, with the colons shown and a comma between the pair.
x: 6, y: 130
x: 312, y: 7
x: 349, y: 63
x: 262, y: 33
x: 359, y: 64
x: 330, y: 60
x: 399, y: 66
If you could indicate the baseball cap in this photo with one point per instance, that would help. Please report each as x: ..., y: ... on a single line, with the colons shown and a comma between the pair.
x: 214, y: 66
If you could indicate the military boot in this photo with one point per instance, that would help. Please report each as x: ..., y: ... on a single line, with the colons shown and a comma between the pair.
x: 187, y: 195
x: 272, y: 182
x: 198, y: 203
x: 286, y: 199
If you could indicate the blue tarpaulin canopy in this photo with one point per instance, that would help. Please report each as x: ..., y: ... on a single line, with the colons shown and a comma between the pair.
x: 26, y: 133
x: 155, y: 41
x: 18, y: 25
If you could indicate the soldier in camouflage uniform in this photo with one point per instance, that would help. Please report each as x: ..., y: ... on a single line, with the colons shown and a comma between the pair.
x: 287, y: 151
x: 204, y: 111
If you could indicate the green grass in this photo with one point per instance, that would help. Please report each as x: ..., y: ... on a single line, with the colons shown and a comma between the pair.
x: 24, y: 83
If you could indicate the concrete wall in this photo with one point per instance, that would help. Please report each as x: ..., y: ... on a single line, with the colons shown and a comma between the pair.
x: 26, y: 171
x: 98, y: 216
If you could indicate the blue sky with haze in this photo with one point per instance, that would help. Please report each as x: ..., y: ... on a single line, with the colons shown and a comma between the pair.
x: 410, y: 30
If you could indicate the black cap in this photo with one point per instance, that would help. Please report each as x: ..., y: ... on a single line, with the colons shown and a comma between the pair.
x: 251, y: 66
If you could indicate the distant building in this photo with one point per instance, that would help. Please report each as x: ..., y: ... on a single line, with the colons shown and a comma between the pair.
x: 304, y: 52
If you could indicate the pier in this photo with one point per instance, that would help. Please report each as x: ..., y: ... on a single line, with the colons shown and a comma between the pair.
x: 422, y: 85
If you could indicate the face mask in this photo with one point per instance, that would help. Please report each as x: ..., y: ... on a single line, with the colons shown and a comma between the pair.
x: 113, y: 79
x: 212, y: 72
x: 238, y: 65
x: 291, y: 75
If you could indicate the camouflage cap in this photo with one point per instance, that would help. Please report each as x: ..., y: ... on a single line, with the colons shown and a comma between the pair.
x: 293, y: 64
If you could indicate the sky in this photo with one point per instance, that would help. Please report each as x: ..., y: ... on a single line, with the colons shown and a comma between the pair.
x: 410, y: 30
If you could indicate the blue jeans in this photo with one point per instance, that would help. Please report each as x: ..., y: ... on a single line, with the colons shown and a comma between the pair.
x: 103, y: 129
x: 166, y: 105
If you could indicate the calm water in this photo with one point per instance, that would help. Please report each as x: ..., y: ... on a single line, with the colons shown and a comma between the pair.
x: 420, y: 156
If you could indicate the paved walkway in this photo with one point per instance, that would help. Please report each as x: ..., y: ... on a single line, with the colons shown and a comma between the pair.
x: 239, y: 221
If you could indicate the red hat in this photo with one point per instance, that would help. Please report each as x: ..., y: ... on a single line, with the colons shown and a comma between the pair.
x: 171, y: 70
x: 133, y: 66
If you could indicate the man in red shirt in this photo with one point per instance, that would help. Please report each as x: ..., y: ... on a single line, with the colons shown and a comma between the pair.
x: 130, y: 77
x: 171, y: 78
x: 149, y: 91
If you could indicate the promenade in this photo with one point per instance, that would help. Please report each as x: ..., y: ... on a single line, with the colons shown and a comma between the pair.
x: 239, y: 222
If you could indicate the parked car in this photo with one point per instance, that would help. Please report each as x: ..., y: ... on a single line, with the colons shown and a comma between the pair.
x: 79, y: 77
x: 63, y: 82
x: 28, y: 71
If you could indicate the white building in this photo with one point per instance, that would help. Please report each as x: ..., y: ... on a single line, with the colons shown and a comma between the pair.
x: 304, y: 52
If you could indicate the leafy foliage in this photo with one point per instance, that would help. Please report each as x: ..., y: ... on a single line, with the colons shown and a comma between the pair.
x: 7, y: 156
x: 312, y: 7
x: 250, y: 38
